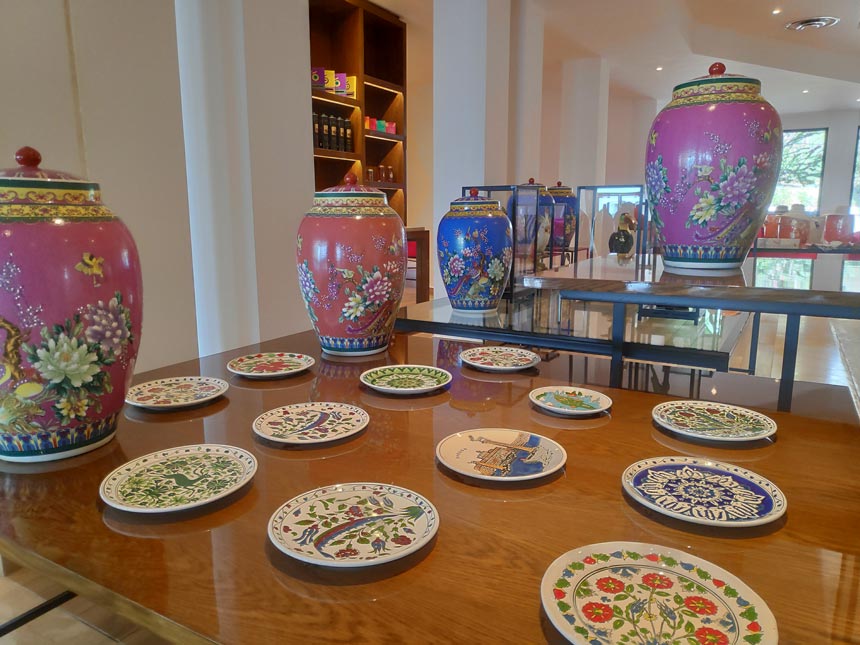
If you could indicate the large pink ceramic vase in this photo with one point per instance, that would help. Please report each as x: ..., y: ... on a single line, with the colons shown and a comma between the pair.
x: 351, y: 257
x: 712, y: 160
x: 70, y: 313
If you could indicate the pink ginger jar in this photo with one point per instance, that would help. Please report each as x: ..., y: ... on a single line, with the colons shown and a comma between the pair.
x: 712, y: 159
x: 70, y: 313
x: 351, y: 257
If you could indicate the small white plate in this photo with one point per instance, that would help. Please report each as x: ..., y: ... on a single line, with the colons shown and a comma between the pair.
x: 501, y: 454
x: 569, y: 400
x: 307, y: 423
x: 405, y: 379
x: 499, y: 358
x: 265, y: 365
x: 177, y: 392
x: 713, y: 421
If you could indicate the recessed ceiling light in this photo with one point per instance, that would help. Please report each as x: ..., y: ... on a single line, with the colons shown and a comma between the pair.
x: 776, y: 11
x: 817, y: 22
x: 806, y: 91
x: 659, y: 69
x: 858, y: 100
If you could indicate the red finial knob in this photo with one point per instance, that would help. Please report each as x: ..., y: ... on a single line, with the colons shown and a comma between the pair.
x: 350, y: 179
x: 531, y: 180
x: 473, y: 192
x: 28, y: 156
x: 717, y: 69
x: 558, y: 183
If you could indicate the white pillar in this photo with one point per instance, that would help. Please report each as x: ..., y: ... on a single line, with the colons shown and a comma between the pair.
x: 497, y: 108
x: 584, y: 115
x: 526, y: 82
x: 215, y: 118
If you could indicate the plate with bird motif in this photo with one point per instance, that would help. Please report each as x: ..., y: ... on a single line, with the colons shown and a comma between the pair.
x: 499, y: 358
x: 178, y: 478
x: 500, y: 454
x: 265, y: 365
x: 569, y: 400
x: 713, y: 421
x: 308, y: 423
x: 353, y: 525
x: 704, y: 491
x: 405, y: 379
x: 176, y: 392
x: 631, y: 592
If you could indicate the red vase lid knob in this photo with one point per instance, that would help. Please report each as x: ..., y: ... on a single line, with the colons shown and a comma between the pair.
x: 531, y: 180
x: 28, y: 157
x: 350, y: 179
x: 558, y: 183
x: 717, y: 69
x: 473, y: 192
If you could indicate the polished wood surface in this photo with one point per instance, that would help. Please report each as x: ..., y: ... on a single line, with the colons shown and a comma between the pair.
x: 211, y: 574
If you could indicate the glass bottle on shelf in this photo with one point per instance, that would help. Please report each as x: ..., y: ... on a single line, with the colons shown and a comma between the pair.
x: 341, y: 135
x: 316, y: 129
x: 390, y: 175
x: 371, y: 175
x: 348, y: 134
x: 325, y: 131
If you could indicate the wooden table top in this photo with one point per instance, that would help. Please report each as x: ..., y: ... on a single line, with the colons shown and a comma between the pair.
x: 211, y: 573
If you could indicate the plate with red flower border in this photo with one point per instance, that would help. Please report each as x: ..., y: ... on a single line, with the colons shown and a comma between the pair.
x: 601, y: 593
x: 263, y: 365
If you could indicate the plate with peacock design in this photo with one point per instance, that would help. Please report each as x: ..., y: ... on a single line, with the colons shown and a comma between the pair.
x: 270, y: 365
x: 309, y: 423
x: 353, y: 525
x: 405, y: 379
x: 178, y: 478
x: 713, y: 421
x: 569, y: 400
x: 499, y: 358
x: 631, y: 592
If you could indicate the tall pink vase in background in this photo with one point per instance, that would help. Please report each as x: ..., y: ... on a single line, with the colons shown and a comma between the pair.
x: 70, y: 313
x: 712, y: 161
x: 351, y: 257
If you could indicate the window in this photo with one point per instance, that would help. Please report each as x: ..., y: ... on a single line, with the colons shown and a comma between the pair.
x: 855, y: 186
x: 802, y: 169
x: 783, y: 273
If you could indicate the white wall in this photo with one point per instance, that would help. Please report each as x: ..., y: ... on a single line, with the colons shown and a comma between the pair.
x: 629, y: 122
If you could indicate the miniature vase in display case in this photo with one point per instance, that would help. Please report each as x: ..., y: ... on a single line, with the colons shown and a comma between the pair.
x: 351, y: 257
x: 474, y: 243
x: 70, y: 313
x: 532, y: 208
x: 712, y: 160
x: 564, y: 225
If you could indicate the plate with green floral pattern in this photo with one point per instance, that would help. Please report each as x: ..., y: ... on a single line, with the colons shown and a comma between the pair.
x: 176, y: 479
x: 176, y: 392
x: 630, y: 592
x: 499, y: 358
x: 353, y: 525
x: 713, y: 421
x: 270, y: 364
x: 308, y: 423
x: 405, y: 379
x: 569, y: 400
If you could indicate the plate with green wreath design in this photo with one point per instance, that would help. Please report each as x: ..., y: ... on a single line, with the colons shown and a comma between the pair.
x: 176, y: 479
x: 630, y: 592
x: 713, y: 421
x: 405, y: 379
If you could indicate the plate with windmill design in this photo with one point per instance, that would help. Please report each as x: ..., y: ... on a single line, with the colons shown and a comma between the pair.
x: 308, y: 423
x: 499, y: 358
x: 702, y: 491
x: 713, y: 421
x: 178, y: 478
x: 611, y: 592
x: 569, y: 400
x: 358, y: 524
x: 266, y: 365
x: 405, y: 379
x: 176, y: 392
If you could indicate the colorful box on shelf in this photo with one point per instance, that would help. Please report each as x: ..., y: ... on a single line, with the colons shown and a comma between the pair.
x: 340, y: 83
x: 329, y: 80
x: 380, y: 125
x: 318, y: 78
x: 350, y: 86
x: 391, y: 127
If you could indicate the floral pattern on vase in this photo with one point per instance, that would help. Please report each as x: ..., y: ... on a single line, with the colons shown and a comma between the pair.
x: 712, y: 160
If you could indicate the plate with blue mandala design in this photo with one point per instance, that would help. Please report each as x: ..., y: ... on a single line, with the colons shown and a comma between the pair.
x: 713, y: 421
x: 499, y: 358
x: 353, y: 525
x: 265, y: 365
x: 704, y: 492
x: 570, y: 401
x: 308, y: 423
x: 176, y: 392
x: 405, y: 379
x: 178, y: 478
x: 630, y: 592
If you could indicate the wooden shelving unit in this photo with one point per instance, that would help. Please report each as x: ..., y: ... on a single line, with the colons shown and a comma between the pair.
x: 368, y: 42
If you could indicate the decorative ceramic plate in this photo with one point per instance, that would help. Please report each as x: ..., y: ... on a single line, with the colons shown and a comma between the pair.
x: 714, y: 421
x: 704, y: 491
x: 177, y: 392
x: 353, y: 525
x: 270, y: 364
x: 630, y: 592
x: 178, y: 478
x: 570, y: 401
x: 306, y: 423
x: 499, y: 359
x: 405, y: 379
x: 501, y: 454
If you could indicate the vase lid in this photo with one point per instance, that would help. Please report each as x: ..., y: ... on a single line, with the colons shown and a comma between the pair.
x: 28, y: 169
x: 545, y: 196
x: 717, y: 80
x: 350, y: 185
x: 559, y: 190
x: 351, y: 199
x: 474, y: 202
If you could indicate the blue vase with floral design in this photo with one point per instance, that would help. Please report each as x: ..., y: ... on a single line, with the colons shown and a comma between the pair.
x: 474, y: 242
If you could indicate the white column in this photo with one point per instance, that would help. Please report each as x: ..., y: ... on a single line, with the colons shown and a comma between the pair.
x: 497, y: 107
x: 215, y: 117
x: 526, y: 89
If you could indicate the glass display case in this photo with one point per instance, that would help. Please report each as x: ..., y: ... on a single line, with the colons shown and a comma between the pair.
x: 612, y: 219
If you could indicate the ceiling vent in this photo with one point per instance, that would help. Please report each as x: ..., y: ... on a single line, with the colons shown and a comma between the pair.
x: 812, y: 23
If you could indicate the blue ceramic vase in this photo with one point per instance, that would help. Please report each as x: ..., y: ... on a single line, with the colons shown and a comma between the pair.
x: 563, y: 228
x: 474, y: 243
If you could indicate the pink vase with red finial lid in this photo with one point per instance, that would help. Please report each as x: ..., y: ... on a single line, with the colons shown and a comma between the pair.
x: 351, y: 258
x: 70, y: 313
x: 712, y: 161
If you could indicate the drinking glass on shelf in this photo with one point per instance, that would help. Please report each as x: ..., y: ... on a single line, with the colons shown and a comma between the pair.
x: 383, y: 174
x: 371, y: 174
x: 389, y: 176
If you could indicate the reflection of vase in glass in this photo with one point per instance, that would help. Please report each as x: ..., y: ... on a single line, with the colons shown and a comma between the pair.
x: 532, y: 207
x: 468, y: 395
x: 337, y: 376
